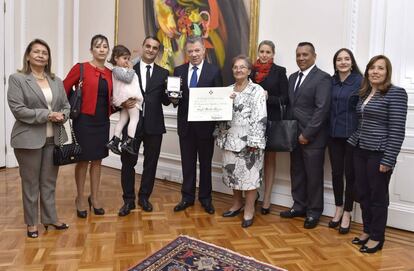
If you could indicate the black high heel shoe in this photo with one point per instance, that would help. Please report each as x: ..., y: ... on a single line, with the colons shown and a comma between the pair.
x: 265, y: 211
x: 361, y: 242
x: 32, y: 234
x: 79, y: 213
x: 333, y: 224
x: 365, y: 249
x: 230, y: 213
x: 62, y: 226
x: 96, y: 211
x: 247, y: 222
x: 345, y: 230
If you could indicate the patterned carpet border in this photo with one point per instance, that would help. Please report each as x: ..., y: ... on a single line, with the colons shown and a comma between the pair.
x: 187, y: 253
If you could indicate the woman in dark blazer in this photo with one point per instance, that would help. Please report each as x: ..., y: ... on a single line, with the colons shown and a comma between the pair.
x: 38, y: 101
x: 346, y: 83
x: 92, y: 126
x: 274, y: 81
x: 382, y: 113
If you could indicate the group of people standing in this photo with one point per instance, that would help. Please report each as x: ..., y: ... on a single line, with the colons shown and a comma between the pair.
x: 360, y: 117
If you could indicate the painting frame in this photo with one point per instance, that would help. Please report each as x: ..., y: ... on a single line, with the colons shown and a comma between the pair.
x: 253, y: 21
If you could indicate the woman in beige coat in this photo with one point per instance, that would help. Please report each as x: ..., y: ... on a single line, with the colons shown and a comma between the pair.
x: 38, y: 101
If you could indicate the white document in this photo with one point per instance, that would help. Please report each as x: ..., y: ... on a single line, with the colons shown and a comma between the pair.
x: 210, y: 104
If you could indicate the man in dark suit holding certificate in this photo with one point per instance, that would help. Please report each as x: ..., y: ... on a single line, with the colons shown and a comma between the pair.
x: 196, y: 138
x: 309, y: 98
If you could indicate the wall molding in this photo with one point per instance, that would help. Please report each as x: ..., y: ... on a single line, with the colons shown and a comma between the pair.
x: 10, y: 68
x: 75, y: 42
x: 61, y: 38
x: 352, y: 21
x: 378, y: 27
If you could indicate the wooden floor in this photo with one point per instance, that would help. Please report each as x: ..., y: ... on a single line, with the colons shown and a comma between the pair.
x: 114, y: 243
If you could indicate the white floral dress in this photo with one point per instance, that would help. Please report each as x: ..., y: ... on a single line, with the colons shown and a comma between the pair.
x: 242, y: 168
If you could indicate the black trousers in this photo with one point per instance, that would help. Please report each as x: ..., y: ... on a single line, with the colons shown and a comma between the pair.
x: 152, y: 148
x: 192, y: 146
x: 372, y: 191
x: 306, y: 171
x: 340, y: 154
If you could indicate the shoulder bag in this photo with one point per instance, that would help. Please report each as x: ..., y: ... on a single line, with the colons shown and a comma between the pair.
x: 64, y: 154
x: 281, y: 135
x: 75, y: 98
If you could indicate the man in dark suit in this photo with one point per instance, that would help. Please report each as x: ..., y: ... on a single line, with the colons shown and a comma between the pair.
x: 152, y: 81
x: 196, y: 138
x: 309, y: 98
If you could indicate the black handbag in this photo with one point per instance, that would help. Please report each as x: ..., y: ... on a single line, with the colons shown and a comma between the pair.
x: 75, y: 98
x: 65, y: 154
x: 281, y: 135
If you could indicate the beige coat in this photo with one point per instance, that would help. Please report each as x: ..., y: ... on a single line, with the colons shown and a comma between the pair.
x: 29, y: 107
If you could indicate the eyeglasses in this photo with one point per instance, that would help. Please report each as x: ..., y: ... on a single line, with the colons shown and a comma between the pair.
x: 235, y: 68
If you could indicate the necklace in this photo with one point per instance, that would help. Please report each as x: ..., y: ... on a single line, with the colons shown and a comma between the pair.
x: 241, y: 87
x: 39, y: 77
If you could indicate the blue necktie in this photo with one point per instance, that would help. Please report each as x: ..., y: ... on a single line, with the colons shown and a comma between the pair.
x: 193, y: 80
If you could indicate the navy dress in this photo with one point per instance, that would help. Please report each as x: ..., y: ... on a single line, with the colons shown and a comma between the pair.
x: 92, y: 132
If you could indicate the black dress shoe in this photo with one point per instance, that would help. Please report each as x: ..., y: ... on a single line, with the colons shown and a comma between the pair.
x: 126, y: 209
x: 292, y: 213
x: 365, y: 249
x: 182, y: 205
x: 208, y: 207
x: 310, y: 222
x: 230, y: 213
x: 145, y: 205
x: 265, y: 211
x: 361, y: 242
x: 247, y: 222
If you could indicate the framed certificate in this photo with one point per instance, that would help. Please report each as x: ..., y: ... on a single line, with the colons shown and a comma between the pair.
x: 210, y: 104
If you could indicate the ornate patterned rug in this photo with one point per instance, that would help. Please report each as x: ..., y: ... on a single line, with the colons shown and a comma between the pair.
x: 189, y: 254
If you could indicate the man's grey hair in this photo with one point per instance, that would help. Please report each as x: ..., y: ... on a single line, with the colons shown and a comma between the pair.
x: 194, y: 39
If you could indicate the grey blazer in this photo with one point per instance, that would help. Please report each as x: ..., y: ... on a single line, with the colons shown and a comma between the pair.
x: 310, y: 106
x: 29, y: 107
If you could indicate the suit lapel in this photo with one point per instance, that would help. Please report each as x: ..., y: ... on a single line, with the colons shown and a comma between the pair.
x: 203, y: 73
x: 31, y: 81
x: 307, y: 79
x: 55, y: 91
x: 154, y: 78
x: 138, y: 72
x: 292, y: 86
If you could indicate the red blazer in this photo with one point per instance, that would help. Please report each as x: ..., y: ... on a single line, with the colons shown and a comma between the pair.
x: 90, y: 85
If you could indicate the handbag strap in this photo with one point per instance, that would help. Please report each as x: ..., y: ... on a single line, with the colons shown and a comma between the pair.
x: 71, y: 131
x: 282, y: 111
x: 80, y: 75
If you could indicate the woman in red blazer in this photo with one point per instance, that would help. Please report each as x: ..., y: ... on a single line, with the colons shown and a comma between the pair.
x: 92, y: 126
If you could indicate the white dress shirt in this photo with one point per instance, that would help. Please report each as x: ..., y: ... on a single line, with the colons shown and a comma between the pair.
x: 143, y: 70
x: 305, y: 73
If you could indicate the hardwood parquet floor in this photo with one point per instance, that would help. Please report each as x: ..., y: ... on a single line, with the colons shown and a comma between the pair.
x: 110, y: 242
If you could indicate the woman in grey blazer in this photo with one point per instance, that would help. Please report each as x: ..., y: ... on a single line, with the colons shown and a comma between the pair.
x: 38, y: 101
x: 382, y: 112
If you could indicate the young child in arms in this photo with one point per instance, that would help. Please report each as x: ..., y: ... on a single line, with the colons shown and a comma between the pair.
x: 125, y: 86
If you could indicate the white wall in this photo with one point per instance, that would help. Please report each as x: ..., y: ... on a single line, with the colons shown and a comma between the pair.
x: 367, y: 27
x: 67, y: 26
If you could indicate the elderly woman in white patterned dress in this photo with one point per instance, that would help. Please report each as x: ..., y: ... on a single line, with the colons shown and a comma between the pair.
x: 243, y: 141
